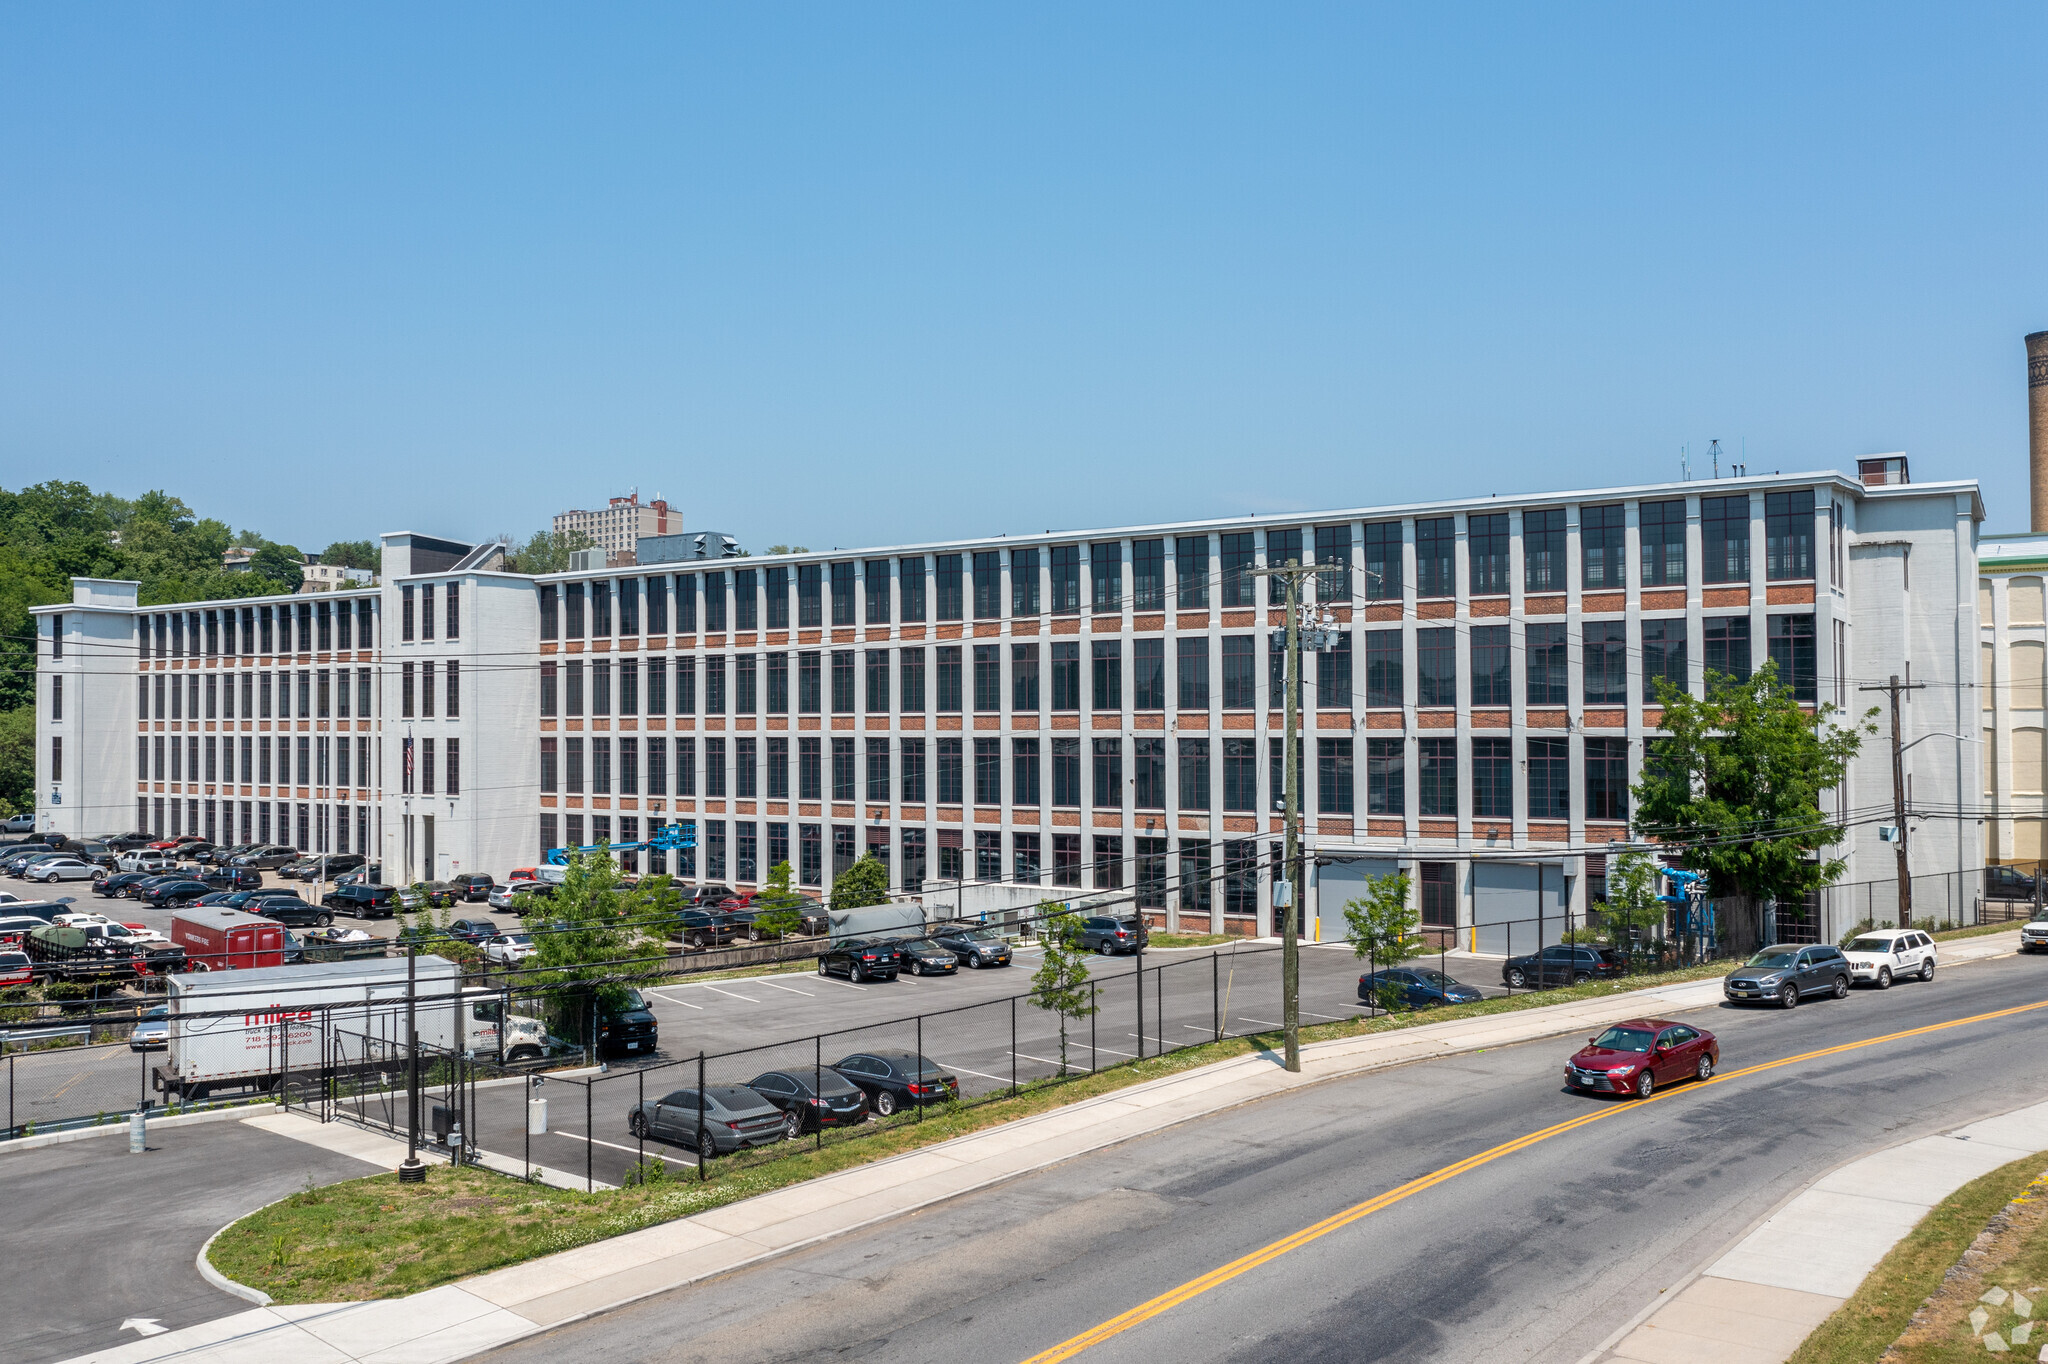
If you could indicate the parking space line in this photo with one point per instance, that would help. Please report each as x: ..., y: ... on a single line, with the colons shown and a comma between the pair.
x: 1260, y: 1021
x: 847, y: 983
x: 793, y: 990
x: 730, y: 995
x: 1042, y: 1060
x: 666, y: 999
x: 999, y: 1079
x: 630, y: 1150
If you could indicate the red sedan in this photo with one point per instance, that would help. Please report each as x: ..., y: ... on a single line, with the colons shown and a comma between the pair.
x: 1637, y: 1056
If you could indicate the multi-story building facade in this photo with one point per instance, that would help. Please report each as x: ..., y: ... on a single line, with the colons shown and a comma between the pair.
x: 2013, y: 636
x: 1103, y: 710
x: 618, y: 525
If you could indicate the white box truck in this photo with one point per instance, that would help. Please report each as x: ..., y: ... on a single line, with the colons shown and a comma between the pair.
x: 247, y: 1029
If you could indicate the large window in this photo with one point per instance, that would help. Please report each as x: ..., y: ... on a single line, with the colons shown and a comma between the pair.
x: 1240, y: 673
x: 1106, y: 576
x: 777, y: 579
x: 1333, y: 777
x: 1384, y: 683
x: 1148, y: 674
x: 1438, y: 763
x: 1788, y: 535
x: 746, y: 599
x: 1549, y: 679
x: 910, y: 585
x: 844, y: 782
x: 1238, y: 559
x: 1194, y: 774
x: 874, y: 576
x: 1148, y: 575
x: 1543, y: 550
x: 988, y: 585
x: 1492, y: 666
x: 1792, y: 649
x: 1191, y: 572
x: 1663, y: 656
x: 1066, y: 580
x: 1333, y: 675
x: 1108, y: 674
x: 988, y: 677
x: 988, y: 771
x: 947, y: 583
x: 1191, y: 672
x: 1724, y: 645
x: 1066, y: 773
x: 1240, y: 774
x: 1550, y: 779
x: 912, y: 768
x: 949, y: 679
x: 877, y: 678
x: 1436, y: 667
x: 1023, y: 582
x: 1066, y: 676
x: 1148, y: 773
x: 1109, y: 774
x: 843, y: 593
x: 951, y: 773
x: 1333, y: 563
x: 714, y: 602
x: 1386, y: 777
x: 1436, y: 563
x: 1724, y: 539
x: 1282, y: 548
x: 1661, y: 531
x: 1024, y: 678
x: 1383, y: 561
x: 1606, y: 663
x: 842, y: 681
x: 1606, y: 779
x: 1486, y: 550
x: 1603, y: 545
x: 1493, y: 779
x: 810, y: 595
x: 1024, y: 771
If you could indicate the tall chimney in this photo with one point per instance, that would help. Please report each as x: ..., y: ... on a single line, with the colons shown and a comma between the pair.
x: 2037, y: 426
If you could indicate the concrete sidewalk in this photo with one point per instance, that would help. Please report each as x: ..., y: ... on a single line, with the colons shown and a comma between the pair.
x: 458, y: 1320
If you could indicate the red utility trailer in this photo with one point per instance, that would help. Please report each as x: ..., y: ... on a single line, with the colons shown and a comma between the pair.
x: 217, y: 938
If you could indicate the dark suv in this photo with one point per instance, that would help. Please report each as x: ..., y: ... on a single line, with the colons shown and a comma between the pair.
x: 1563, y: 964
x: 233, y: 878
x: 2007, y: 883
x: 1106, y: 934
x: 474, y: 887
x: 859, y: 960
x: 292, y: 913
x: 365, y: 902
x: 706, y: 928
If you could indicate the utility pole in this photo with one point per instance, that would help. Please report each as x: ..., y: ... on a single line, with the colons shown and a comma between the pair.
x: 412, y: 1172
x: 1290, y: 862
x: 1894, y: 686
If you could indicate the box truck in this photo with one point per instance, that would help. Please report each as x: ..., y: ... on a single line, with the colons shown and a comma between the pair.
x: 251, y: 1029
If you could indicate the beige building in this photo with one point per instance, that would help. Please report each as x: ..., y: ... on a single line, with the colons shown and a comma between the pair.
x: 2013, y: 628
x: 618, y: 526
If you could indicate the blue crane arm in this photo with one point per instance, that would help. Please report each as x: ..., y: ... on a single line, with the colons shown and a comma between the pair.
x: 669, y: 836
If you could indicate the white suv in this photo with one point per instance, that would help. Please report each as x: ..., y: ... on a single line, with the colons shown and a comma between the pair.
x: 1882, y: 955
x: 2034, y: 935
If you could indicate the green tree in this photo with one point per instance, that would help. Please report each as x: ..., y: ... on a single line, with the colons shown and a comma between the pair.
x: 353, y: 554
x: 279, y: 564
x: 547, y: 552
x: 1632, y: 901
x: 787, y: 549
x: 1382, y: 922
x: 1061, y: 984
x: 779, y: 910
x: 1733, y: 785
x: 18, y: 758
x: 595, y: 935
x: 864, y: 883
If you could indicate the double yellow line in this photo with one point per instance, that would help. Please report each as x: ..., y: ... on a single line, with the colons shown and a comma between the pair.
x: 1223, y: 1274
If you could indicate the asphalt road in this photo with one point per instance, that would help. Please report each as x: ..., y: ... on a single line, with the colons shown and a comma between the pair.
x: 1535, y: 1256
x: 101, y: 1236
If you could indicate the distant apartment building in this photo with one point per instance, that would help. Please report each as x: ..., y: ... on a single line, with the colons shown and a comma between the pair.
x: 618, y: 526
x: 1093, y: 710
x: 321, y: 577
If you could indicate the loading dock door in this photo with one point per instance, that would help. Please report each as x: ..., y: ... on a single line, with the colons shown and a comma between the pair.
x: 1505, y: 906
x: 1337, y: 882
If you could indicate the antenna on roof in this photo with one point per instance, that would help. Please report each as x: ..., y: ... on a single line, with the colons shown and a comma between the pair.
x: 1714, y: 448
x: 1685, y: 463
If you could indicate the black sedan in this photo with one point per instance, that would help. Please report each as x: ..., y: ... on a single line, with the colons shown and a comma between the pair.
x: 858, y: 960
x: 174, y: 891
x: 1564, y: 964
x: 924, y: 957
x: 703, y: 928
x: 475, y: 932
x: 975, y: 946
x: 247, y: 899
x: 1406, y: 987
x: 123, y: 885
x: 727, y: 1118
x: 897, y: 1079
x: 833, y: 1102
x: 292, y: 913
x: 269, y: 856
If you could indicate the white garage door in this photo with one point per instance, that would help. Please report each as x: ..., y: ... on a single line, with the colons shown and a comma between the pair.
x: 1513, y: 915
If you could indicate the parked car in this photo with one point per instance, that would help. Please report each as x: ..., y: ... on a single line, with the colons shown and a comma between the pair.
x: 219, y: 855
x: 19, y: 824
x: 293, y: 913
x: 531, y: 897
x: 1414, y: 987
x: 727, y: 1118
x: 364, y: 902
x: 197, y: 854
x: 508, y: 949
x: 175, y: 841
x: 321, y: 867
x: 267, y: 857
x: 91, y: 850
x: 64, y: 867
x: 1563, y: 964
x: 1786, y: 972
x: 710, y: 895
x: 141, y: 934
x: 19, y: 864
x: 519, y: 875
x: 122, y: 884
x: 975, y: 945
x: 153, y: 1032
x: 858, y: 959
x: 810, y: 1100
x: 174, y: 891
x: 702, y: 928
x: 924, y: 957
x: 233, y: 878
x: 372, y: 875
x: 2034, y: 935
x: 897, y: 1079
x: 2007, y: 883
x: 123, y: 842
x: 1882, y: 955
x: 1637, y: 1056
x: 246, y: 899
x: 16, y: 968
x: 474, y: 887
x: 473, y: 931
x: 501, y: 896
x: 1108, y: 934
x: 439, y: 894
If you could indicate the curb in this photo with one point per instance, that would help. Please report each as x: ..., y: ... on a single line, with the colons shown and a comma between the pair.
x: 42, y: 1139
x: 222, y: 1281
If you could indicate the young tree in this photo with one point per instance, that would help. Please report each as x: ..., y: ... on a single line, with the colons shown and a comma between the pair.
x: 281, y: 565
x: 1734, y: 784
x: 1632, y: 898
x: 779, y: 909
x: 353, y: 554
x: 1382, y: 925
x: 594, y: 935
x: 547, y: 552
x: 1060, y: 985
x: 864, y: 883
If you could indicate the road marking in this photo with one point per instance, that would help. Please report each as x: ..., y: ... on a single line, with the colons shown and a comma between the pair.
x: 999, y: 1079
x: 1260, y: 1021
x: 730, y: 995
x: 630, y: 1150
x: 667, y: 1000
x: 144, y: 1326
x: 773, y: 986
x: 1223, y: 1274
x: 846, y: 983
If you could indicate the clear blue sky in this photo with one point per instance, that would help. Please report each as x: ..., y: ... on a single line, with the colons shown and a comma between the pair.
x: 850, y: 275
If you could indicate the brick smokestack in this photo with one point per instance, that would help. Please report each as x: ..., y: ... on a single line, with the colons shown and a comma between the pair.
x: 2037, y: 426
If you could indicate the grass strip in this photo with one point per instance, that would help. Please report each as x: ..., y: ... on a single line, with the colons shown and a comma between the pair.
x: 1874, y: 1316
x: 370, y: 1238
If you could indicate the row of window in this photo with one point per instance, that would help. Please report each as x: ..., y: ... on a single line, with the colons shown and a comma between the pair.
x: 878, y: 681
x: 320, y: 626
x: 1042, y: 579
x: 321, y: 693
x: 416, y: 611
x: 947, y: 771
x: 319, y: 828
x: 322, y: 761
